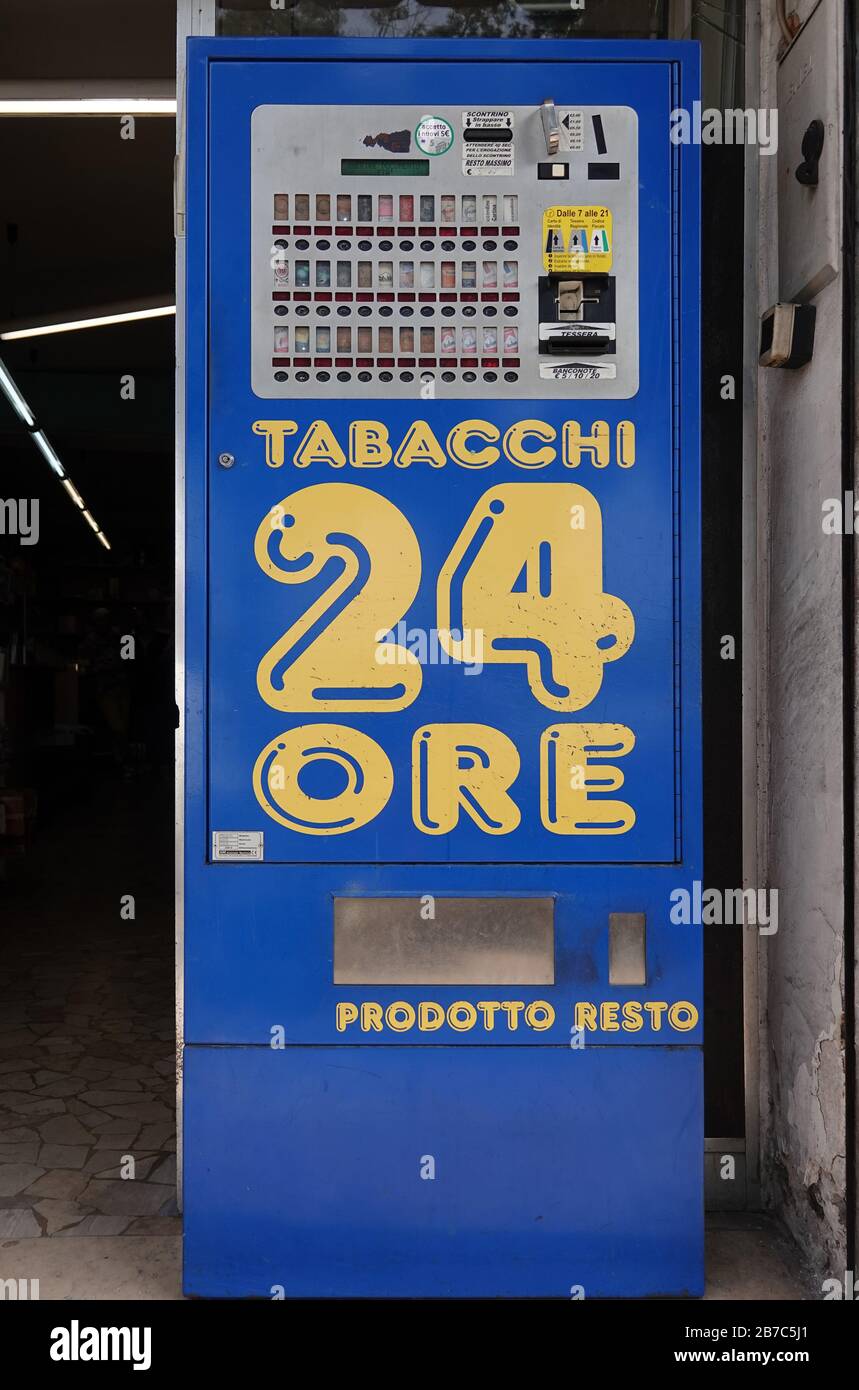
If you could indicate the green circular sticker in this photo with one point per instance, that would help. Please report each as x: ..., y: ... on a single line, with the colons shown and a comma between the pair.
x: 433, y: 135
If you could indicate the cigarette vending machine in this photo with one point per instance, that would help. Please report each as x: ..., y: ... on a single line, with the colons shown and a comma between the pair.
x: 442, y: 725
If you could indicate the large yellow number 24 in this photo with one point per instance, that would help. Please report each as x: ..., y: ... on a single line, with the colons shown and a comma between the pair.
x: 522, y: 584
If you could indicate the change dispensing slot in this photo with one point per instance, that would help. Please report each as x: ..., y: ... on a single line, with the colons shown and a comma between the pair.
x: 480, y: 941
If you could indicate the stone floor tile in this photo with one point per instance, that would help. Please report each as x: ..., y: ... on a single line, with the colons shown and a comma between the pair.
x: 155, y: 1136
x: 100, y: 1159
x: 155, y: 1226
x: 136, y: 1073
x: 18, y: 1153
x: 85, y: 1113
x: 110, y: 1125
x: 98, y: 1224
x: 14, y: 1177
x: 119, y: 1198
x: 112, y: 1168
x: 58, y: 1215
x: 117, y: 1141
x: 165, y: 1172
x: 106, y: 1100
x: 18, y: 1081
x: 18, y: 1223
x: 151, y: 1110
x: 62, y: 1183
x: 92, y: 1069
x: 18, y: 1134
x: 63, y: 1155
x: 19, y: 1039
x: 65, y: 1129
x: 67, y: 1087
x: 30, y: 1108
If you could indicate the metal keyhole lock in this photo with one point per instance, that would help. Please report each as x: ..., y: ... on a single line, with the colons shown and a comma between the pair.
x: 226, y: 460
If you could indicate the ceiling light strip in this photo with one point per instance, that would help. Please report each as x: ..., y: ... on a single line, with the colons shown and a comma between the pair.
x: 98, y: 321
x: 40, y: 439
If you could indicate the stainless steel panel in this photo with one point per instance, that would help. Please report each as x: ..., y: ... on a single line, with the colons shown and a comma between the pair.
x: 298, y: 149
x: 468, y: 941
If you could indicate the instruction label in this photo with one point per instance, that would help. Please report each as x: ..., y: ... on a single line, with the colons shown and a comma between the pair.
x: 578, y: 371
x: 577, y: 238
x: 487, y: 141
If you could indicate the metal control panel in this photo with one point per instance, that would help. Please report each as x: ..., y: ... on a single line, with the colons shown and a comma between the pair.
x: 391, y: 244
x: 442, y: 727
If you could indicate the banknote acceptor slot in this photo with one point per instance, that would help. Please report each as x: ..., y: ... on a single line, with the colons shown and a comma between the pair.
x: 577, y: 314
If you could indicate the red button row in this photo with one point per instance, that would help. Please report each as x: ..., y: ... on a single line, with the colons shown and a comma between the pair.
x: 391, y: 362
x: 281, y: 229
x: 403, y: 296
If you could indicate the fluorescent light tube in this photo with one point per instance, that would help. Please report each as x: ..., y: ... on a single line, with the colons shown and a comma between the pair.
x: 47, y: 449
x: 73, y: 493
x: 99, y: 321
x: 87, y: 106
x: 15, y: 398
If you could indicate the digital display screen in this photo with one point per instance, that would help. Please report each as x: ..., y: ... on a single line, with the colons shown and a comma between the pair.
x: 374, y: 168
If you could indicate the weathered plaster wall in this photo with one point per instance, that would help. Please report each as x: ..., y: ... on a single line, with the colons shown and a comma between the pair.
x: 800, y: 808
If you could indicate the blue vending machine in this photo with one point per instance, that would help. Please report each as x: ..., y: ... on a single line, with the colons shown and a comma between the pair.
x: 442, y: 726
